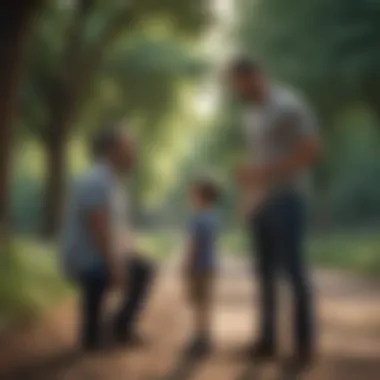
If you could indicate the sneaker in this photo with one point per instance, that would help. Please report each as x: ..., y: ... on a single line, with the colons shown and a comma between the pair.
x: 261, y: 351
x: 299, y: 362
x: 92, y: 347
x: 131, y: 340
x: 199, y: 347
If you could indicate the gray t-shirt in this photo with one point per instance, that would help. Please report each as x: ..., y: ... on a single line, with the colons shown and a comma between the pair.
x: 203, y: 231
x: 273, y: 129
x: 97, y: 189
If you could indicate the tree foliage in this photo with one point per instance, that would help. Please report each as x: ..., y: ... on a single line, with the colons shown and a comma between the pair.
x: 328, y: 48
x: 15, y: 22
x: 75, y: 44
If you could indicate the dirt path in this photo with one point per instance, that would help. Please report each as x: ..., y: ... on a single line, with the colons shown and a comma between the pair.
x: 348, y: 319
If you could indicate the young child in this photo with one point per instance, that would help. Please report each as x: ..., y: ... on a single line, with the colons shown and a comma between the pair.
x: 200, y: 261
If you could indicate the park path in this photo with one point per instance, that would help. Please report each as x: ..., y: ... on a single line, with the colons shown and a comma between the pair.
x: 348, y: 320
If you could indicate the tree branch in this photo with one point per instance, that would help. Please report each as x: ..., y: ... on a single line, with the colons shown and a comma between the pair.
x: 123, y: 19
x: 80, y: 66
x: 91, y: 61
x: 74, y: 49
x: 64, y: 80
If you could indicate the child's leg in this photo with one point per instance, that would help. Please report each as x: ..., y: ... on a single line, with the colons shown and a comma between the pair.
x: 199, y: 296
x: 202, y: 307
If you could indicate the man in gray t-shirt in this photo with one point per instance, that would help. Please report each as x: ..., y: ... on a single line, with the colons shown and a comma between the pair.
x: 282, y: 140
x: 92, y: 252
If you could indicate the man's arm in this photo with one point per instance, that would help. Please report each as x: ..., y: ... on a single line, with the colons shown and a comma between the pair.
x: 196, y: 230
x: 96, y: 197
x: 100, y: 229
x: 189, y: 254
x: 304, y: 155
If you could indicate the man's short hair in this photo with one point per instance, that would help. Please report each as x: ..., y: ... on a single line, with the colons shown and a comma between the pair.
x: 207, y: 189
x: 105, y: 140
x: 243, y: 66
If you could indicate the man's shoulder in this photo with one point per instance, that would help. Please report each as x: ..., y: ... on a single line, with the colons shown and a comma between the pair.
x: 94, y: 179
x: 97, y: 174
x: 287, y: 99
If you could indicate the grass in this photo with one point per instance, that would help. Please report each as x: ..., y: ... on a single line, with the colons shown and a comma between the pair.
x: 158, y: 244
x: 357, y: 252
x: 30, y: 281
x: 353, y: 251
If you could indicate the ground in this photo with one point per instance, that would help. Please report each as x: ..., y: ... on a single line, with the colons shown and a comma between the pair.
x: 348, y: 320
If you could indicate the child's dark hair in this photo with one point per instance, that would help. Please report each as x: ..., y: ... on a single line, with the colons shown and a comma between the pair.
x: 208, y: 190
x: 244, y: 65
x: 105, y: 140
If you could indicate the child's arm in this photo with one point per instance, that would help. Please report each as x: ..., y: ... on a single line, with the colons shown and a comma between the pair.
x: 189, y: 255
x: 194, y: 234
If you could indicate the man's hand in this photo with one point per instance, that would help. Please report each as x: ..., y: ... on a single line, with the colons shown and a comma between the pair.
x: 118, y: 278
x: 253, y: 181
x: 186, y: 269
x: 251, y: 175
x: 187, y: 265
x: 100, y: 227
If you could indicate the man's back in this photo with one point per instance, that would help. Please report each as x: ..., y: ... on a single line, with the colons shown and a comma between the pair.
x: 79, y: 249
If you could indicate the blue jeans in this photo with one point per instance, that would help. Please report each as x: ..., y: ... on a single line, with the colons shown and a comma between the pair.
x: 93, y: 286
x: 277, y: 232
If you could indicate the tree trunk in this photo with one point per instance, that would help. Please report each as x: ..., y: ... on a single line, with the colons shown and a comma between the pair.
x: 63, y: 105
x: 56, y: 174
x: 64, y: 108
x: 78, y: 70
x: 14, y: 22
x: 371, y: 89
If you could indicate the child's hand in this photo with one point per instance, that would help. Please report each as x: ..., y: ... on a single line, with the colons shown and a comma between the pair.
x: 187, y: 268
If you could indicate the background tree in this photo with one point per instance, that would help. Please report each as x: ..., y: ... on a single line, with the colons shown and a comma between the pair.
x: 77, y: 38
x: 14, y: 25
x: 328, y: 50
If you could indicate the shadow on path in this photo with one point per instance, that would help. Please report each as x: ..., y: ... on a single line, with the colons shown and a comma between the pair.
x: 183, y: 369
x: 350, y: 368
x: 253, y: 371
x: 328, y: 368
x: 47, y: 368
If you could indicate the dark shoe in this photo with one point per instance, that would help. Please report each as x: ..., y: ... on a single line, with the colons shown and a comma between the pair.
x: 261, y: 351
x: 300, y: 362
x: 198, y: 348
x: 92, y: 347
x: 131, y: 340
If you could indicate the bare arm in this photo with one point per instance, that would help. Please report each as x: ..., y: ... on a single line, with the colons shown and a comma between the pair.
x: 304, y: 155
x: 189, y: 253
x: 300, y: 123
x: 100, y: 229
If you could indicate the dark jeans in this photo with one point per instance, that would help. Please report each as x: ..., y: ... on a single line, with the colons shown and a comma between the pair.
x: 93, y: 286
x: 277, y: 231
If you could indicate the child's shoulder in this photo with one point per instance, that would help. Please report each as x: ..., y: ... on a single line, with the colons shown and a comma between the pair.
x: 207, y: 218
